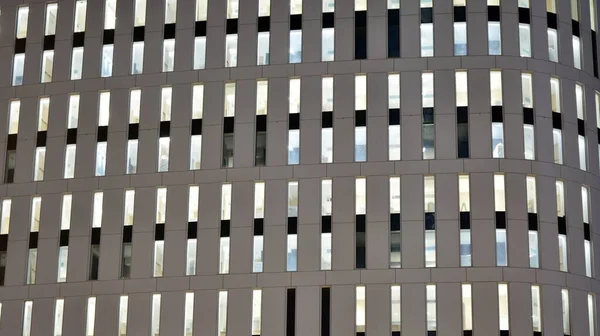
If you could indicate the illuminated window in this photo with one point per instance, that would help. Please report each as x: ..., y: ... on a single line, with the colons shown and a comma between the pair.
x: 361, y: 308
x: 90, y: 316
x: 97, y: 209
x: 161, y: 205
x: 80, y: 16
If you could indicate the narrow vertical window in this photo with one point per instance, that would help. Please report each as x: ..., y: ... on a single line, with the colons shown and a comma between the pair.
x: 395, y: 226
x: 326, y: 205
x: 500, y: 207
x: 36, y: 209
x: 361, y: 307
x: 534, y: 260
x: 262, y: 57
x: 557, y: 120
x: 361, y: 211
x: 428, y: 131
x: 59, y: 305
x: 566, y: 311
x: 13, y: 116
x: 140, y: 13
x: 47, y: 66
x: 467, y: 307
x: 80, y: 16
x: 107, y: 60
x: 429, y: 206
x: 27, y: 316
x: 259, y: 212
x: 225, y: 217
x: 159, y: 254
x: 536, y: 309
x: 168, y: 64
x: 462, y: 114
x: 494, y: 38
x: 110, y: 11
x: 129, y: 207
x: 188, y: 324
x: 63, y: 256
x: 231, y: 41
x: 460, y: 28
x: 256, y: 312
x: 155, y: 322
x: 431, y: 308
x: 22, y: 20
x: 524, y: 28
x: 396, y: 309
x: 123, y: 307
x: 577, y: 52
x: 77, y: 63
x: 465, y: 222
x: 426, y: 28
x: 50, y: 24
x: 222, y: 314
x: 39, y: 165
x: 161, y: 205
x: 97, y: 209
x: 503, y: 307
x: 90, y: 320
x: 591, y: 303
x: 394, y: 128
x: 137, y: 57
x: 170, y: 11
x: 31, y: 266
x: 18, y: 69
x: 295, y: 53
x: 327, y: 44
x: 562, y: 226
x: 553, y: 44
x: 528, y: 125
x: 292, y: 228
x: 5, y: 221
x: 587, y: 243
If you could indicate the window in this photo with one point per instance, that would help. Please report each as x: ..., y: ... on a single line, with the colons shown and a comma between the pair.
x: 326, y: 251
x: 13, y: 117
x: 132, y: 148
x: 462, y: 96
x: 327, y: 94
x: 498, y: 140
x: 97, y: 209
x: 70, y: 161
x: 361, y: 307
x: 169, y: 55
x: 501, y: 248
x: 262, y: 93
x: 427, y: 89
x: 190, y: 267
x: 40, y: 159
x: 552, y: 45
x: 557, y: 145
x: 524, y: 40
x: 579, y: 101
x: 527, y: 90
x: 587, y: 249
x: 582, y: 152
x: 396, y: 308
x: 394, y: 147
x: 100, y: 158
x: 107, y: 60
x: 295, y: 7
x: 73, y: 117
x: 496, y: 87
x: 560, y: 199
x: 294, y: 95
x: 31, y: 266
x: 562, y: 253
x: 195, y: 152
x: 137, y: 58
x: 566, y: 318
x: 431, y: 308
x: 170, y: 11
x: 199, y: 52
x: 140, y: 13
x: 460, y: 38
x: 577, y: 54
x: 426, y: 39
x: 5, y: 221
x: 123, y: 305
x: 43, y: 111
x: 104, y: 108
x: 555, y: 94
x: 467, y: 307
x: 50, y: 25
x: 551, y: 6
x: 226, y: 201
x: 47, y: 66
x: 262, y: 56
x: 80, y: 16
x: 165, y: 103
x: 65, y: 221
x: 63, y: 255
x: 163, y: 154
x: 161, y: 205
x: 159, y: 253
x: 110, y: 11
x: 126, y: 261
x: 591, y: 300
x: 22, y: 20
x: 326, y: 145
x: 429, y: 194
x: 360, y: 144
x: 531, y: 195
x: 494, y: 38
x: 229, y: 99
x: 503, y: 306
x: 231, y: 50
x: 393, y: 4
x: 430, y: 254
x: 232, y: 9
x: 27, y: 315
x: 256, y: 311
x: 59, y: 305
x: 295, y: 53
x: 529, y: 139
x: 536, y: 308
x: 222, y: 314
x: 91, y: 316
x: 534, y: 258
x: 326, y: 197
x: 395, y: 234
x: 36, y: 209
x: 188, y: 323
x: 18, y: 67
x: 327, y: 45
x: 224, y: 255
x: 257, y: 254
x: 361, y: 196
x: 293, y: 147
x: 465, y: 248
x: 155, y: 324
x: 129, y: 207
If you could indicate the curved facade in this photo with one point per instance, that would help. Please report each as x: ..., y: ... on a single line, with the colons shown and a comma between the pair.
x: 299, y: 167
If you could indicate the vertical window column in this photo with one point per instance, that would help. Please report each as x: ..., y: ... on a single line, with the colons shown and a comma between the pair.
x: 528, y: 116
x: 292, y: 227
x: 294, y: 121
x: 557, y: 137
x: 428, y: 126
x: 327, y: 120
x: 228, y: 125
x: 169, y: 30
x: 231, y: 37
x: 524, y: 29
x: 581, y: 141
x: 395, y: 226
x: 18, y: 66
x: 427, y: 43
x: 396, y: 299
x: 562, y: 226
x: 360, y: 29
x: 200, y: 34
x: 594, y: 43
x: 431, y: 307
x: 71, y: 145
x: 78, y: 39
x: 587, y: 244
x: 361, y: 222
x: 552, y: 23
x: 393, y: 28
x: 263, y: 40
x: 127, y: 246
x: 256, y: 312
x: 429, y: 206
x: 36, y: 209
x: 259, y: 213
x: 97, y: 212
x: 102, y: 136
x: 532, y: 218
x: 155, y: 317
x: 394, y: 128
x: 27, y: 316
x: 11, y: 141
x: 576, y: 31
x: 159, y: 232
x: 224, y: 241
x: 494, y: 32
x: 63, y: 245
x: 295, y: 49
x: 566, y: 311
x: 123, y: 308
x: 360, y: 118
x: 164, y: 140
x: 135, y: 100
x: 467, y: 309
x: 48, y: 44
x: 222, y: 314
x: 40, y: 145
x: 460, y: 27
x: 503, y: 315
x: 500, y: 207
x: 59, y: 305
x: 139, y: 31
x: 328, y: 31
x: 262, y: 97
x: 536, y: 310
x: 326, y: 205
x: 361, y: 310
x: 196, y: 134
x: 591, y: 303
x: 497, y: 114
x: 188, y: 317
x: 192, y: 230
x: 464, y: 199
x: 462, y: 114
x: 108, y: 38
x: 4, y: 231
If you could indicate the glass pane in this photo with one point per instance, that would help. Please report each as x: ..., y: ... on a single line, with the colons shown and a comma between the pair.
x: 327, y: 45
x: 494, y: 38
